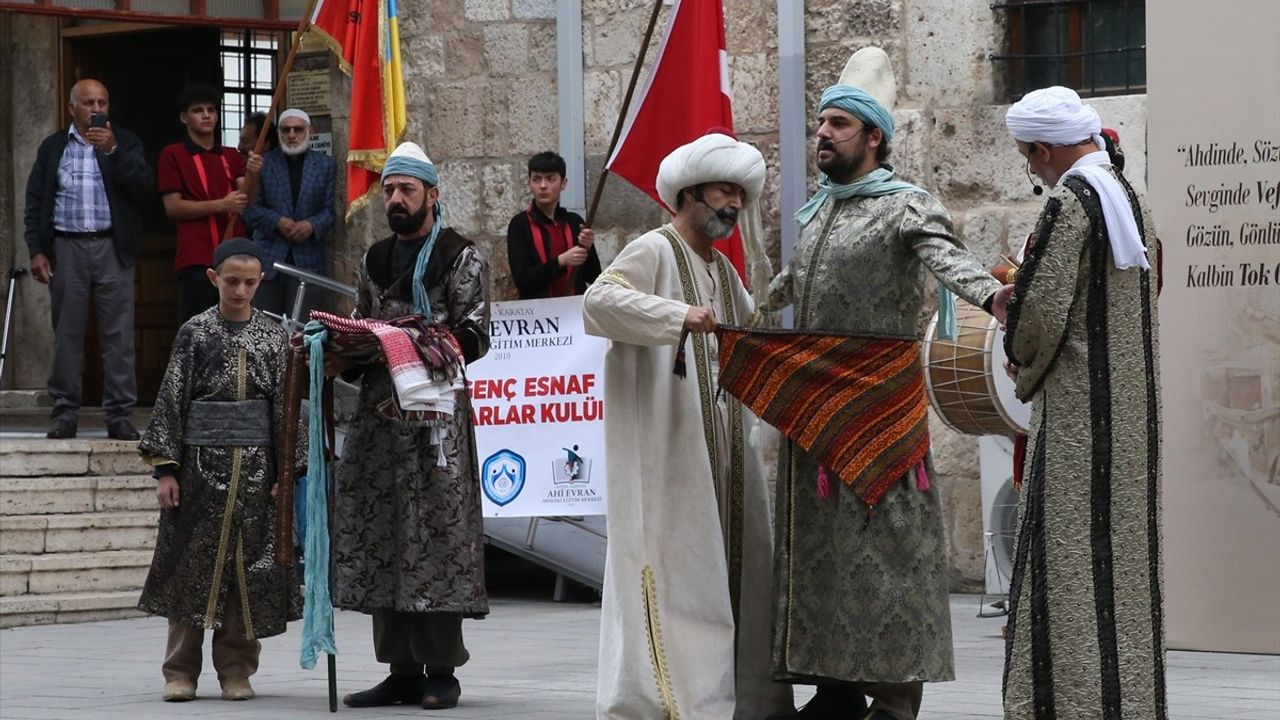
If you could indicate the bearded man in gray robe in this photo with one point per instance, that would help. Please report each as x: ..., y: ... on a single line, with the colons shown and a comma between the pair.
x: 861, y: 590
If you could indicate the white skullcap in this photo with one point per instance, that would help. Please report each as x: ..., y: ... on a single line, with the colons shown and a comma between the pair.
x: 1053, y: 115
x: 294, y: 113
x: 711, y: 158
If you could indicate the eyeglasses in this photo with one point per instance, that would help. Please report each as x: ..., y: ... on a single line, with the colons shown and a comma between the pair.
x: 291, y: 130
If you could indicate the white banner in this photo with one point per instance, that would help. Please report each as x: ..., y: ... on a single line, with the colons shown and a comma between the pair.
x: 538, y: 402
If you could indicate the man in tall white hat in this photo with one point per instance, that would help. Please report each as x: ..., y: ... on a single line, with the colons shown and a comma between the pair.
x: 1086, y: 630
x: 861, y: 597
x: 684, y: 629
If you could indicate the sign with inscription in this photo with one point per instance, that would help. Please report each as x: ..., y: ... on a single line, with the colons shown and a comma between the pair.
x: 1213, y: 134
x: 321, y: 142
x: 538, y: 402
x: 309, y: 91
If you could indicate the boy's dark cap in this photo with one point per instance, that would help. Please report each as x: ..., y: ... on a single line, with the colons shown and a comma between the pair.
x: 236, y: 246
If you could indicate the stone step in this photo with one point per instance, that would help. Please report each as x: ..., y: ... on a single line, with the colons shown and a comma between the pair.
x: 104, y: 571
x: 68, y: 607
x: 82, y: 494
x: 89, y: 532
x: 38, y: 457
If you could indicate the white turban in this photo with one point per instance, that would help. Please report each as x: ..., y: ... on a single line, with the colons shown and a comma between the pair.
x: 294, y: 113
x: 711, y: 158
x: 1054, y: 115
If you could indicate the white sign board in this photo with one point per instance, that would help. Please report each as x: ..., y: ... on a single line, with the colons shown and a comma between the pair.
x: 538, y: 402
x: 322, y: 142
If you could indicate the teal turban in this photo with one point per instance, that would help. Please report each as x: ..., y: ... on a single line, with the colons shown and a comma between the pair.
x: 409, y: 159
x: 860, y: 104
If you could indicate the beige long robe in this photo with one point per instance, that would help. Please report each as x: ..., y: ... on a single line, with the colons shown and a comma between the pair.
x: 1086, y: 617
x: 689, y: 536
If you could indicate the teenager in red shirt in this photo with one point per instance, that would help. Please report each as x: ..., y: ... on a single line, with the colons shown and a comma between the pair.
x: 199, y: 180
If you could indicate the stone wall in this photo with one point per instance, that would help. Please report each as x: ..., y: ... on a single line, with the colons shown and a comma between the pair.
x: 481, y: 84
x: 31, y: 111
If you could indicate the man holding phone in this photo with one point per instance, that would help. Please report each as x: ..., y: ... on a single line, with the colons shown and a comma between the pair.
x: 82, y: 229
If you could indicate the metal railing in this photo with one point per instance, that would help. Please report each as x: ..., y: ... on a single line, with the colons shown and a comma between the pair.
x: 305, y: 280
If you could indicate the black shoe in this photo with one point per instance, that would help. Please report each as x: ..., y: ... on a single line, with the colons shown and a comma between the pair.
x: 63, y: 428
x: 395, y: 690
x: 121, y: 429
x: 832, y: 702
x: 441, y: 692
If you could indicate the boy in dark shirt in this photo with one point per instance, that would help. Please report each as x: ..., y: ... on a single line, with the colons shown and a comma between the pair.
x: 550, y: 252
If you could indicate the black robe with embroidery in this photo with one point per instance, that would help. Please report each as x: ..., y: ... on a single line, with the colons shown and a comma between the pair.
x: 221, y: 537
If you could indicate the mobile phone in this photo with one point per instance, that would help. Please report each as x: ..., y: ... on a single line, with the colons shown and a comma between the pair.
x: 98, y: 120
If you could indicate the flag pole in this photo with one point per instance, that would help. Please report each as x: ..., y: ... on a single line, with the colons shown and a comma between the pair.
x: 250, y: 188
x: 622, y: 116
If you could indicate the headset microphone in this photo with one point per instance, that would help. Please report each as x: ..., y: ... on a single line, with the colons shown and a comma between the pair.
x: 1035, y: 189
x: 726, y: 214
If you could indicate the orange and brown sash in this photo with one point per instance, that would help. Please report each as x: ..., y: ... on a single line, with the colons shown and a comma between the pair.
x: 855, y: 403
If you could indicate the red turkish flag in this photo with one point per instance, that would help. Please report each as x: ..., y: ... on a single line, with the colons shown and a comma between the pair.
x: 685, y: 96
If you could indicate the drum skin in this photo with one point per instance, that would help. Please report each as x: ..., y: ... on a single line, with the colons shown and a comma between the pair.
x: 965, y: 378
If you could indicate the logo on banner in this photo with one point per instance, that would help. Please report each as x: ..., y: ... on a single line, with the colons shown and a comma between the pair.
x: 502, y: 477
x: 573, y: 469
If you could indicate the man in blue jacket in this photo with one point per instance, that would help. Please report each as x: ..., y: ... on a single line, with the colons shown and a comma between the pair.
x: 293, y: 214
x: 82, y: 230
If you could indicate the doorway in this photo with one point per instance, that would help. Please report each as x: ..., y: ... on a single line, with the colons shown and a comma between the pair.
x: 144, y: 70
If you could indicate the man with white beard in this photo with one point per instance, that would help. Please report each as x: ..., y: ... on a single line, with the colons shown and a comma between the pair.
x: 293, y: 213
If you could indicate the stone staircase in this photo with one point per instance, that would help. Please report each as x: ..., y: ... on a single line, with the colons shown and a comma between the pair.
x: 77, y: 529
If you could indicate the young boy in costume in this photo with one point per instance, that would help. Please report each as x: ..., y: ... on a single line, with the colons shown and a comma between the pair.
x: 213, y: 439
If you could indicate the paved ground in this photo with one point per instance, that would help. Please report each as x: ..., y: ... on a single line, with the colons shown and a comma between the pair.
x: 532, y: 660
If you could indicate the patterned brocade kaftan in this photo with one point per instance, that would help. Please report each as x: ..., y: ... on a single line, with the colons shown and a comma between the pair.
x: 221, y: 537
x: 684, y: 628
x: 409, y: 533
x: 1086, y: 637
x: 864, y: 597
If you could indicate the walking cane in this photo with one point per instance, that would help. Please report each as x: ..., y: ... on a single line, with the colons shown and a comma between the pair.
x: 14, y: 274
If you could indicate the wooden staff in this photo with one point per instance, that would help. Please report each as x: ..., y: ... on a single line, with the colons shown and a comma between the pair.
x: 250, y: 188
x: 286, y: 476
x: 622, y: 116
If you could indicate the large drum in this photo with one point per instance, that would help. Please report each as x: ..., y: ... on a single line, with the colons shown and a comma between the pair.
x: 965, y: 377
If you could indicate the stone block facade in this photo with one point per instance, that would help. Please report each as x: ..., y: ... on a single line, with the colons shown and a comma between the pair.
x: 482, y: 91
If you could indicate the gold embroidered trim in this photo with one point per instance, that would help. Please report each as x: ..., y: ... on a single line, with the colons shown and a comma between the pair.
x: 737, y: 458
x: 699, y: 343
x: 791, y: 550
x: 657, y: 651
x: 157, y: 460
x: 229, y: 511
x: 616, y: 278
x: 249, y: 634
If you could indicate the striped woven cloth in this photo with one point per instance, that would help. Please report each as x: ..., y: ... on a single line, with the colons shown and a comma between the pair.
x: 855, y: 403
x: 424, y: 359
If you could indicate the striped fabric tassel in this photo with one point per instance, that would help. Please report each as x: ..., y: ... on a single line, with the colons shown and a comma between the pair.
x: 826, y: 488
x: 681, y: 369
x: 922, y: 477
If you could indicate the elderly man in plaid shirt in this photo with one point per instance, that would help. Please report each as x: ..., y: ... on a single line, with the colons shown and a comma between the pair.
x: 293, y: 214
x: 82, y: 229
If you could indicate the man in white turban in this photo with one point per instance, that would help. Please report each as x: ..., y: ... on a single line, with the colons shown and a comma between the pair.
x: 1085, y: 636
x: 684, y: 629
